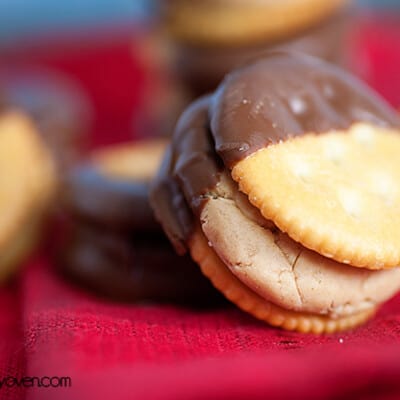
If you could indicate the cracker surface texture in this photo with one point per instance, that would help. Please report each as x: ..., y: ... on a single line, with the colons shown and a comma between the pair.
x: 336, y: 193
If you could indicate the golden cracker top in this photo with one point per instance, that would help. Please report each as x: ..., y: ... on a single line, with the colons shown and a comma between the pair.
x: 337, y: 193
x: 137, y: 161
x: 217, y: 23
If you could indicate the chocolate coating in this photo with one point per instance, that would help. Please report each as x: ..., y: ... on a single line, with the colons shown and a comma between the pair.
x: 115, y: 204
x: 289, y: 94
x: 170, y: 206
x: 189, y: 171
x: 134, y: 268
x: 193, y: 154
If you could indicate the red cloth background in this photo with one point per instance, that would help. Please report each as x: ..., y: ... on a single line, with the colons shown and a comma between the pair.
x: 49, y: 328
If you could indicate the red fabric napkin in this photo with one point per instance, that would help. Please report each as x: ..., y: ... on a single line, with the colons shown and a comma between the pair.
x: 49, y: 328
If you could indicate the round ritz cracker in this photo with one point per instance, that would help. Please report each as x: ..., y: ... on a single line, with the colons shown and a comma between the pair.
x: 114, y: 247
x: 253, y: 262
x: 236, y: 22
x: 317, y: 153
x: 28, y: 185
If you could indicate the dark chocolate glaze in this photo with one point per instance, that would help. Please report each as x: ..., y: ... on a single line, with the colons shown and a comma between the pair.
x: 189, y: 171
x: 287, y: 94
x: 134, y: 268
x: 170, y: 206
x: 114, y: 204
x: 196, y: 165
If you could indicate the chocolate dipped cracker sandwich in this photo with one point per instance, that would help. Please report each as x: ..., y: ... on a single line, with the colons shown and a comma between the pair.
x: 212, y: 37
x: 113, y: 245
x: 284, y: 186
